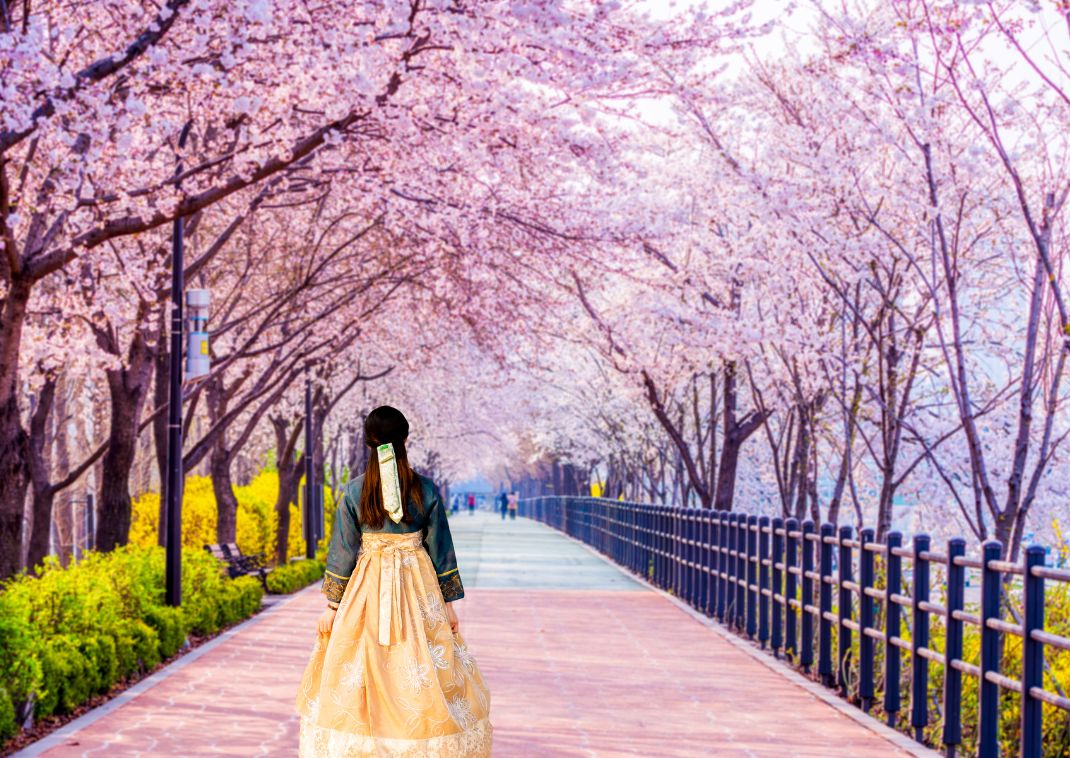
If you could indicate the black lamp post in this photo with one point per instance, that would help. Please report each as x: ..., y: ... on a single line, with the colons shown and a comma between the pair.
x: 173, y: 571
x: 310, y: 475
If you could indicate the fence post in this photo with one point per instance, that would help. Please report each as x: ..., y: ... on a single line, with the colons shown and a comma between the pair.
x: 751, y: 577
x: 844, y: 606
x: 698, y: 559
x: 646, y: 553
x: 892, y: 623
x: 722, y: 564
x: 956, y: 601
x: 670, y: 548
x: 866, y: 578
x: 777, y: 588
x: 650, y: 555
x: 677, y: 552
x: 661, y: 560
x: 642, y: 557
x: 692, y: 557
x: 919, y: 695
x: 674, y: 531
x: 702, y: 548
x: 1032, y: 654
x: 807, y: 653
x: 764, y: 599
x: 991, y: 579
x: 706, y: 562
x: 791, y: 582
x: 736, y: 589
x: 682, y: 583
x: 824, y: 592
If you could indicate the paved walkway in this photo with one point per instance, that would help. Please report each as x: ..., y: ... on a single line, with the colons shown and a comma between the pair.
x: 581, y: 661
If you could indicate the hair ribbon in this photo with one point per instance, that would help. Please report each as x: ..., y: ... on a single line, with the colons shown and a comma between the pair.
x: 391, y: 485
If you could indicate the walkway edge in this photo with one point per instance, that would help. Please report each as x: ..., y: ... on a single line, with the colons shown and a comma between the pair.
x: 897, y: 739
x: 61, y: 735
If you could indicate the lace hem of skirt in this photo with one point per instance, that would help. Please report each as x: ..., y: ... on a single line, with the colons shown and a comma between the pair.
x: 323, y: 742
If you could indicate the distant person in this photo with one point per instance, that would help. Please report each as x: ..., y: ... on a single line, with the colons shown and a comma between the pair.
x: 503, y: 503
x: 471, y: 504
x: 514, y: 503
x: 390, y: 669
x: 456, y: 504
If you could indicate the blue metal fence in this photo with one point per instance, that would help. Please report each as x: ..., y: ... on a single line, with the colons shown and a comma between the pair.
x: 774, y: 580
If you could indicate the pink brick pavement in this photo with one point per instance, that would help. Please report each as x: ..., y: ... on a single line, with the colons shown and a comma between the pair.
x: 572, y: 673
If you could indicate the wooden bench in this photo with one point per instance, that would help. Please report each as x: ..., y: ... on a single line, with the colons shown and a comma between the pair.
x: 239, y: 564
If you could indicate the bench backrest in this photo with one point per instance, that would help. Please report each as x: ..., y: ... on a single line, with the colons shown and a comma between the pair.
x: 220, y: 552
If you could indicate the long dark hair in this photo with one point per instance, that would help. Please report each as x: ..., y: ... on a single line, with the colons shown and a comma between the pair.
x: 383, y: 425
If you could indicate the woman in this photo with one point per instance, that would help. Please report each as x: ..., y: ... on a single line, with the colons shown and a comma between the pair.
x: 390, y: 673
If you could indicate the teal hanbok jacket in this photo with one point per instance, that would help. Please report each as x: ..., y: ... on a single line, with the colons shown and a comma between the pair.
x: 431, y: 520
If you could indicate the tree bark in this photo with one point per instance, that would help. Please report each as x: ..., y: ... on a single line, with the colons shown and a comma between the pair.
x: 14, y: 440
x: 226, y: 527
x: 289, y: 469
x: 128, y: 389
x: 736, y: 433
x: 43, y: 494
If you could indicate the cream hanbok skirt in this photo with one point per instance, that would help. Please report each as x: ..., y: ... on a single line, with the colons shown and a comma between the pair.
x: 392, y: 679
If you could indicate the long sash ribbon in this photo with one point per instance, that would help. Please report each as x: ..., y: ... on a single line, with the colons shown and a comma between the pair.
x: 391, y: 485
x: 390, y: 560
x: 389, y: 593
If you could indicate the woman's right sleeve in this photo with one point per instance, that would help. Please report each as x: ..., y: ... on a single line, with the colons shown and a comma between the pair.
x: 342, y: 550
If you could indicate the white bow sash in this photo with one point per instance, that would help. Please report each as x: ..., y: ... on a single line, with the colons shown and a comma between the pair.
x: 389, y: 482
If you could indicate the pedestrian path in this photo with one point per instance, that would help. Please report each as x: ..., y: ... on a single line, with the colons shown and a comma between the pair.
x: 581, y: 660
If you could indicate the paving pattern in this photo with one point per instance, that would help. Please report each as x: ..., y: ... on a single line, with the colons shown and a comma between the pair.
x: 580, y: 659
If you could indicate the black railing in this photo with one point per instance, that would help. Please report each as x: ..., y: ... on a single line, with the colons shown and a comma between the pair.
x: 774, y: 581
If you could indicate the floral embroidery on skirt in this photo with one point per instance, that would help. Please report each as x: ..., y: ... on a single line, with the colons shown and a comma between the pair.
x: 393, y: 679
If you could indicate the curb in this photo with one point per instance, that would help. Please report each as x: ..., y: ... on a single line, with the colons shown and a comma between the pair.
x: 826, y: 696
x: 61, y: 735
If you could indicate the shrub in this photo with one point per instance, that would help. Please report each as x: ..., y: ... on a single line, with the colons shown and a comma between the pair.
x: 70, y: 633
x: 170, y: 628
x: 8, y: 725
x: 19, y: 672
x: 67, y: 677
x: 294, y: 576
x: 257, y: 520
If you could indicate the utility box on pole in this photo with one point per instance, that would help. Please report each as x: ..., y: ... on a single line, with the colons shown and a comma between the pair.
x: 198, y: 363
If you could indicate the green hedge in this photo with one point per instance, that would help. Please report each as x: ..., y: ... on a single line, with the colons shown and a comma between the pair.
x: 294, y: 576
x: 69, y: 634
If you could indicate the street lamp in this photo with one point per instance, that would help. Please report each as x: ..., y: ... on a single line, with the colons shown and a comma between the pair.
x: 310, y: 474
x: 173, y: 564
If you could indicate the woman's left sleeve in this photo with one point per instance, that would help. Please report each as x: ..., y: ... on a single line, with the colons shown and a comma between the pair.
x: 342, y: 550
x: 439, y: 544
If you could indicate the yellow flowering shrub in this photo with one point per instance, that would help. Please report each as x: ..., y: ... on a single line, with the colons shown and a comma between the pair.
x: 257, y: 520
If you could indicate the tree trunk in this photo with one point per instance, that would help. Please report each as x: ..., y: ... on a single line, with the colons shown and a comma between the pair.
x: 568, y: 482
x: 65, y: 510
x: 226, y: 525
x: 288, y: 483
x: 128, y: 388
x: 289, y: 468
x: 884, y: 508
x: 43, y: 494
x: 726, y: 474
x: 14, y: 440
